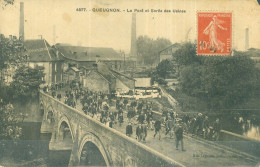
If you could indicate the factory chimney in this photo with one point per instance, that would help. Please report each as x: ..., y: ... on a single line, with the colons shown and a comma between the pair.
x: 133, y: 51
x: 21, y: 28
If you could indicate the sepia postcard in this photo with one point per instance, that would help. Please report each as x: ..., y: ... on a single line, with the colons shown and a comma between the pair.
x: 140, y: 83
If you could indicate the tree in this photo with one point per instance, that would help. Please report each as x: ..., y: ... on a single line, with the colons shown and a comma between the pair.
x: 186, y: 55
x: 4, y: 3
x: 9, y: 128
x: 10, y: 56
x: 26, y: 81
x: 165, y: 68
x: 228, y: 81
x: 190, y: 80
x: 148, y: 48
x: 221, y: 81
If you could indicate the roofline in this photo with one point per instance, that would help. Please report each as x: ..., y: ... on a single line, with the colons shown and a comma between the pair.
x: 124, y: 83
x: 65, y: 56
x: 86, y: 60
x: 47, y: 48
x: 61, y: 44
x: 123, y: 75
x: 47, y: 51
x: 167, y: 47
x: 103, y: 76
x: 100, y: 75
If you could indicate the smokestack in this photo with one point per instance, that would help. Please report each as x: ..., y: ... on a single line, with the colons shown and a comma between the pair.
x: 247, y: 39
x: 133, y: 51
x: 21, y: 28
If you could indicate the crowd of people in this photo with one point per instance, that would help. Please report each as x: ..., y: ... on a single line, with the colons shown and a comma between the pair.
x: 137, y: 114
x: 201, y: 126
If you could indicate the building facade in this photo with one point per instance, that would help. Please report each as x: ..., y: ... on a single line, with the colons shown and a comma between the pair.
x: 39, y: 52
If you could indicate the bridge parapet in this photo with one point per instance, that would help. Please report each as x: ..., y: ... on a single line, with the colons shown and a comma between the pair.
x: 116, y: 148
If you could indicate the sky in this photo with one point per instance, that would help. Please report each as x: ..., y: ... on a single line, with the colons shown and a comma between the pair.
x: 113, y: 29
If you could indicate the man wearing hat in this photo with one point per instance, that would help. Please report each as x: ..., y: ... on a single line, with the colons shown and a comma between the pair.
x: 144, y: 126
x: 129, y: 129
x: 139, y: 132
x: 157, y: 127
x: 179, y: 135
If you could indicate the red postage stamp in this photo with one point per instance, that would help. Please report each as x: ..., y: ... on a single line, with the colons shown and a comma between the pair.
x: 214, y: 33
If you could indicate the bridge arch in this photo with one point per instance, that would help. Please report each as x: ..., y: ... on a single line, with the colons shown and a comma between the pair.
x: 91, y: 145
x: 50, y: 114
x: 130, y: 162
x: 64, y: 121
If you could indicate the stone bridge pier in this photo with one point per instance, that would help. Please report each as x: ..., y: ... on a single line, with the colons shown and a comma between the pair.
x: 91, y: 142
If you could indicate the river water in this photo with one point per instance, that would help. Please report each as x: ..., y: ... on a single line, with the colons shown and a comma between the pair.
x: 32, y: 149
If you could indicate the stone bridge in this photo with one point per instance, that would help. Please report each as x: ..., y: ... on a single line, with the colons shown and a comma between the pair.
x: 91, y: 142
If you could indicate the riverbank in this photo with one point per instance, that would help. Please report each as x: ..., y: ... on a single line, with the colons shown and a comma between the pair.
x: 32, y: 150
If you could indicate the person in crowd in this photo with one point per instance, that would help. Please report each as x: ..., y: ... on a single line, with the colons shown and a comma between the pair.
x: 56, y: 86
x: 140, y: 118
x: 77, y: 96
x: 216, y: 129
x: 110, y: 122
x: 149, y: 119
x: 59, y: 96
x: 139, y: 132
x: 129, y: 129
x: 117, y: 104
x: 73, y: 103
x: 121, y: 119
x: 169, y: 125
x: 199, y: 124
x: 125, y: 103
x: 179, y: 136
x: 130, y: 113
x: 66, y: 100
x: 157, y: 127
x: 53, y: 93
x: 139, y: 108
x: 193, y: 126
x: 112, y: 118
x: 144, y: 126
x: 47, y: 88
x: 44, y: 89
x: 206, y: 127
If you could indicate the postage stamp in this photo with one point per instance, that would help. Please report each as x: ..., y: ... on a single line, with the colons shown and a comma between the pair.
x: 214, y: 33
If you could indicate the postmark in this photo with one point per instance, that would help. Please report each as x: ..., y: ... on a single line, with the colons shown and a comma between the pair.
x: 214, y: 33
